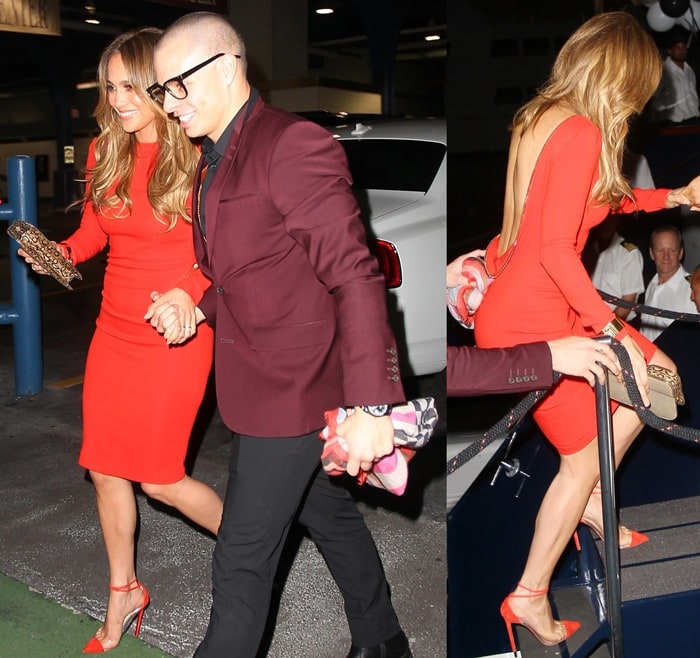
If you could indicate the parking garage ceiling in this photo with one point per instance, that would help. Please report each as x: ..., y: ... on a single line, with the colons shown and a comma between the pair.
x: 30, y: 61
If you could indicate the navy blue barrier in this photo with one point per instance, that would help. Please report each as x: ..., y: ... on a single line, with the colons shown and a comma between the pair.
x: 24, y: 310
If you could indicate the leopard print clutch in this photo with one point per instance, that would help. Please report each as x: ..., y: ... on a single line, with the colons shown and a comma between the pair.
x: 39, y: 247
x: 665, y: 391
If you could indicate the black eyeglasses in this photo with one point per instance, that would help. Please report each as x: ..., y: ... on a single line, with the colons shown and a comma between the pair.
x: 176, y: 86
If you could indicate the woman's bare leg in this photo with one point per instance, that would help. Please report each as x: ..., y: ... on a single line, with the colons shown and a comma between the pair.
x: 558, y: 516
x: 116, y: 508
x: 593, y: 513
x: 190, y: 497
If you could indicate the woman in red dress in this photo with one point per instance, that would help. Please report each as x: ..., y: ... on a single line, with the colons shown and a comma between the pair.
x: 141, y: 391
x: 563, y: 178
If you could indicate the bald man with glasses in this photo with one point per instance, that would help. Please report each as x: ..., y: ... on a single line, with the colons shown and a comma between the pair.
x: 298, y: 305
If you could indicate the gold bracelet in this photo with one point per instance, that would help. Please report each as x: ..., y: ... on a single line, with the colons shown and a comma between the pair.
x: 613, y: 328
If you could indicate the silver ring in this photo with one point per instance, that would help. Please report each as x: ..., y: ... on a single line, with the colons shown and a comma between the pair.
x: 187, y: 328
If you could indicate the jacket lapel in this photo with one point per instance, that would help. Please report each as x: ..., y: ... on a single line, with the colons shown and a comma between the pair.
x: 200, y: 243
x: 224, y: 176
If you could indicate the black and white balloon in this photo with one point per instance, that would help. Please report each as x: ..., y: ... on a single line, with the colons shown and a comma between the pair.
x: 658, y: 21
x: 664, y: 14
x: 674, y: 8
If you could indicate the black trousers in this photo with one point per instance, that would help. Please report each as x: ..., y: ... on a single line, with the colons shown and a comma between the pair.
x: 270, y: 482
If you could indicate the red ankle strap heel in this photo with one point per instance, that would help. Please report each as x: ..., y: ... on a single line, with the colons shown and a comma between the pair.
x: 510, y: 619
x: 95, y: 645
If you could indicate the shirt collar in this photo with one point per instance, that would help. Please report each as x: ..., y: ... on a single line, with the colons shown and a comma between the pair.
x: 674, y: 281
x: 214, y: 151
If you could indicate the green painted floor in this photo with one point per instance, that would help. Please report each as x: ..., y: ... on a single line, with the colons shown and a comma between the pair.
x: 31, y: 626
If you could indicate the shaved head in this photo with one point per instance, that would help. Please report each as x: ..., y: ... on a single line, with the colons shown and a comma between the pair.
x: 206, y: 33
x: 204, y: 56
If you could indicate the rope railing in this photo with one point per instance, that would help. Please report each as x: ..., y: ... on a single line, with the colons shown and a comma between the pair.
x: 517, y: 413
x: 649, y: 310
x: 508, y: 422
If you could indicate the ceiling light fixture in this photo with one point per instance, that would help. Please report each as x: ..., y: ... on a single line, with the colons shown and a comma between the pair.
x: 325, y: 11
x: 91, y: 12
x: 432, y: 37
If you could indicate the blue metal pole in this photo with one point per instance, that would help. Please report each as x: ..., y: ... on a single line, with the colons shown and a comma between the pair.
x: 21, y: 180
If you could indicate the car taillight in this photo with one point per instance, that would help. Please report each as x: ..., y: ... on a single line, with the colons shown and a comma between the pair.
x: 389, y: 262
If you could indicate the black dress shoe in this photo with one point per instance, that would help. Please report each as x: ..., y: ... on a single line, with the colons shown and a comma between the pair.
x: 395, y: 647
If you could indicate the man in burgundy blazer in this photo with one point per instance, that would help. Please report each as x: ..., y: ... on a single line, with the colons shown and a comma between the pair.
x: 472, y: 371
x: 298, y: 305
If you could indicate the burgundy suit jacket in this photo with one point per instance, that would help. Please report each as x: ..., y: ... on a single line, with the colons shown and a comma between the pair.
x: 298, y: 303
x: 474, y: 371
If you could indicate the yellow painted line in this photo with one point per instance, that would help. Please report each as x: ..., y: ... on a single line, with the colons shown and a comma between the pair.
x: 66, y: 383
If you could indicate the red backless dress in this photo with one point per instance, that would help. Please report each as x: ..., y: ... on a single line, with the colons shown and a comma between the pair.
x: 543, y: 291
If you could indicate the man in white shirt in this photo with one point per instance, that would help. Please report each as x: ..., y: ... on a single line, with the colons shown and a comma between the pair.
x: 676, y: 98
x: 680, y: 342
x: 669, y: 288
x: 619, y: 268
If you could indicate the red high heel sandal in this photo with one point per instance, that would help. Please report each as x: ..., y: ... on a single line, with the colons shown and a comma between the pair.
x: 509, y: 617
x: 637, y: 538
x: 94, y: 645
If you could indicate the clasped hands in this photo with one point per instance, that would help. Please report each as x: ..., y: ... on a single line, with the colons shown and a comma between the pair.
x: 174, y: 315
x: 688, y: 195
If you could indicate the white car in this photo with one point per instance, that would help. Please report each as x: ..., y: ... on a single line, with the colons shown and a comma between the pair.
x: 399, y: 170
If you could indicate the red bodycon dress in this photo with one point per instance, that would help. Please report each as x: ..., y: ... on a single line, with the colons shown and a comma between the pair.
x: 543, y: 291
x: 140, y: 396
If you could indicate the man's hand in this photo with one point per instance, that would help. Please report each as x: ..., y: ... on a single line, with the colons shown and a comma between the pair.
x: 580, y: 357
x: 685, y: 196
x: 454, y: 269
x: 174, y: 315
x: 368, y: 438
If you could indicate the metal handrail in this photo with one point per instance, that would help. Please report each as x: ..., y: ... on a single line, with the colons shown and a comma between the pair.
x: 606, y: 458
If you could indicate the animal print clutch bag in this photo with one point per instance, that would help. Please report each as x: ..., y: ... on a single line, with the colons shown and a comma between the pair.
x: 665, y: 391
x: 39, y: 247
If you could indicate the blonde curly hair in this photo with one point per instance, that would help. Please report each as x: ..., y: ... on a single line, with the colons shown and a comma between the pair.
x: 606, y: 71
x: 170, y: 181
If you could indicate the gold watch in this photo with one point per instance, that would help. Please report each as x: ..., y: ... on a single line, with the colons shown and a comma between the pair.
x: 613, y: 328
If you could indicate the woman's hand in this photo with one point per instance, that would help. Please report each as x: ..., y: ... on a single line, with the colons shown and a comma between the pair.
x: 639, y: 366
x: 35, y: 266
x: 454, y: 269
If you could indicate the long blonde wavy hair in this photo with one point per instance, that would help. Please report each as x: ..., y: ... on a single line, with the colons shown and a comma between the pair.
x: 170, y: 181
x: 606, y: 71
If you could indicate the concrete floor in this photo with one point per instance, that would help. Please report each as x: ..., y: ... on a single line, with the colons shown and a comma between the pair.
x: 50, y: 537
